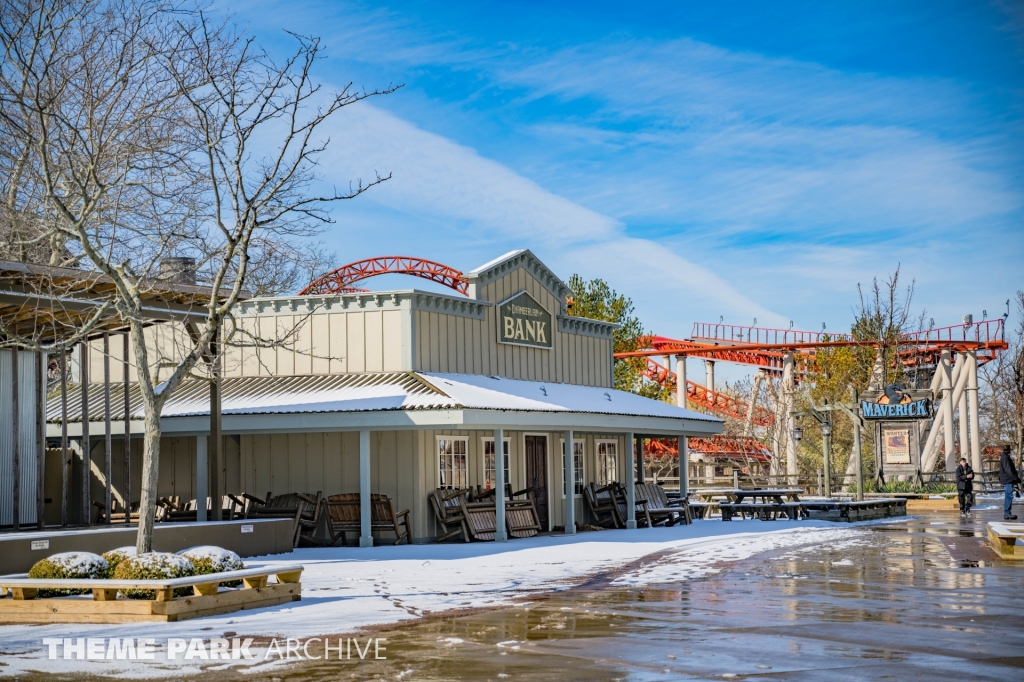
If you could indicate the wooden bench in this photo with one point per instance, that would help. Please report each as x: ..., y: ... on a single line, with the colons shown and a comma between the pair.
x: 698, y: 510
x: 660, y: 508
x: 105, y: 606
x: 765, y: 511
x: 621, y: 501
x: 601, y: 503
x: 343, y: 514
x: 1007, y: 539
x: 521, y: 518
x: 481, y: 518
x: 304, y: 510
x: 445, y: 504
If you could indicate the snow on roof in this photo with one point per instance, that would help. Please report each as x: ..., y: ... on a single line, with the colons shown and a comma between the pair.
x: 474, y: 391
x: 491, y: 263
x: 392, y: 391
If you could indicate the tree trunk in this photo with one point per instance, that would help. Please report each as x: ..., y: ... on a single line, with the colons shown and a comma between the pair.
x: 150, y: 477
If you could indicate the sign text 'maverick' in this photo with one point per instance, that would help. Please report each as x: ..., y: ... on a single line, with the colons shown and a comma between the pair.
x: 524, y: 322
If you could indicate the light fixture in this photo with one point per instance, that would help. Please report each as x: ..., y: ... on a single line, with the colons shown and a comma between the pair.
x: 826, y: 429
x: 798, y: 433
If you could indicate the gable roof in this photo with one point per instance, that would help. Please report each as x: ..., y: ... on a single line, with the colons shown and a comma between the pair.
x: 511, y: 261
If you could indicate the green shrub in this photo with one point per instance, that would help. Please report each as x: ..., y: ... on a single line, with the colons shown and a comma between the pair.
x: 208, y: 559
x: 68, y: 566
x: 154, y: 566
x: 115, y: 556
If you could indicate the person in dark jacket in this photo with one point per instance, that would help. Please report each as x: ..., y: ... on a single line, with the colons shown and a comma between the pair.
x: 1009, y: 479
x: 965, y: 486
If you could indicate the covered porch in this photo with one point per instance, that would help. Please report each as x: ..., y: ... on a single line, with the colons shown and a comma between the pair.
x: 406, y: 434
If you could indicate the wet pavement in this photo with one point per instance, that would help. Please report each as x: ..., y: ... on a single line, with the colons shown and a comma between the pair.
x: 910, y: 599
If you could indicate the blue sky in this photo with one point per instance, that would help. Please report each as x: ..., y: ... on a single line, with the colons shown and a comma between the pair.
x: 736, y: 159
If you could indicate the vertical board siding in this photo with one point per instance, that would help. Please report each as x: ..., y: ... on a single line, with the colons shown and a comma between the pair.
x: 28, y: 457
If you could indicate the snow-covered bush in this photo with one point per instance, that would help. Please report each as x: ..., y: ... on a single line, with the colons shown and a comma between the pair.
x: 67, y: 566
x: 116, y: 556
x: 208, y: 559
x: 154, y: 566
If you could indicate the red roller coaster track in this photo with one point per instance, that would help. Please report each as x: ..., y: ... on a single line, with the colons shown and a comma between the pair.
x: 719, y: 403
x: 340, y: 280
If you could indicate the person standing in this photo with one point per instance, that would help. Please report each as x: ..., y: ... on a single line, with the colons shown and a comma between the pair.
x: 1009, y: 479
x: 965, y: 486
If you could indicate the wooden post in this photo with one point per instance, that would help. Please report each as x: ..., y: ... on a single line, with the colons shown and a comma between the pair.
x: 631, y: 481
x: 108, y: 459
x: 217, y: 483
x: 65, y: 476
x: 500, y: 533
x: 570, y: 485
x: 83, y: 372
x: 127, y: 434
x: 16, y: 441
x: 40, y: 443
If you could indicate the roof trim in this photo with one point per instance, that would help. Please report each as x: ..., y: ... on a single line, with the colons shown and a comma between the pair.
x: 511, y: 261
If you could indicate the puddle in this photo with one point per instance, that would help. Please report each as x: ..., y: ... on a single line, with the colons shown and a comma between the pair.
x: 894, y: 605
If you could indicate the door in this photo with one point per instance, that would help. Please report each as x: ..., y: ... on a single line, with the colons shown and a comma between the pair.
x: 537, y: 475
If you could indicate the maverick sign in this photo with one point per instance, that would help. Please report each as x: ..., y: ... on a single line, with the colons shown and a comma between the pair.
x: 524, y: 322
x: 895, y: 403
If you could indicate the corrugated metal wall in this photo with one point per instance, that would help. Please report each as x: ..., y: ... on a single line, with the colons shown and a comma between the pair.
x: 27, y: 440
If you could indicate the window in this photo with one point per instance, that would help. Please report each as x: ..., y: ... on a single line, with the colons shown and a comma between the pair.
x: 607, y: 464
x: 489, y: 463
x: 452, y: 462
x: 577, y: 466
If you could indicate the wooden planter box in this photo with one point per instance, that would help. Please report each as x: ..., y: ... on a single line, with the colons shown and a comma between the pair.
x: 23, y: 605
x: 1007, y: 539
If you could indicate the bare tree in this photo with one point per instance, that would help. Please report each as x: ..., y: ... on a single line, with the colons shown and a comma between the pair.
x: 1002, y: 395
x: 144, y: 128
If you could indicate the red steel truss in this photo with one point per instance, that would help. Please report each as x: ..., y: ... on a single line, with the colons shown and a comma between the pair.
x: 708, y: 399
x: 340, y: 280
x: 713, y: 447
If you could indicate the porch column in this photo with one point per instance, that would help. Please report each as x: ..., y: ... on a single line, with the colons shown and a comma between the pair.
x: 570, y: 486
x: 202, y: 470
x: 108, y: 446
x: 500, y: 533
x: 83, y: 374
x: 684, y: 467
x: 631, y: 482
x: 365, y: 536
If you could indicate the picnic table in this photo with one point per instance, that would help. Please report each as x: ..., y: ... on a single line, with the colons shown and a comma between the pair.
x: 763, y: 503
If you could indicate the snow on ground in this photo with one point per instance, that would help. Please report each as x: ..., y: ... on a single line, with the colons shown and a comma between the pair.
x: 346, y: 588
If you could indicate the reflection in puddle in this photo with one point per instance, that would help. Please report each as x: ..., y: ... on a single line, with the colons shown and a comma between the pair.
x: 896, y: 601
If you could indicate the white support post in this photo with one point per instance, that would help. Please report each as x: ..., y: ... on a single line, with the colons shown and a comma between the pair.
x: 786, y: 422
x: 365, y: 536
x: 963, y: 417
x: 631, y: 481
x: 972, y: 399
x: 684, y: 454
x: 570, y: 486
x: 709, y: 373
x: 500, y: 532
x: 947, y: 408
x: 681, y: 381
x: 201, y: 472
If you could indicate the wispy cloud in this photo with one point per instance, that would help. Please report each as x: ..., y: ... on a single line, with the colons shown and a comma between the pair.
x: 725, y: 181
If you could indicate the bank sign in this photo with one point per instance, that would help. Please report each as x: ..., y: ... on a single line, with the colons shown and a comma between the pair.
x: 524, y: 322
